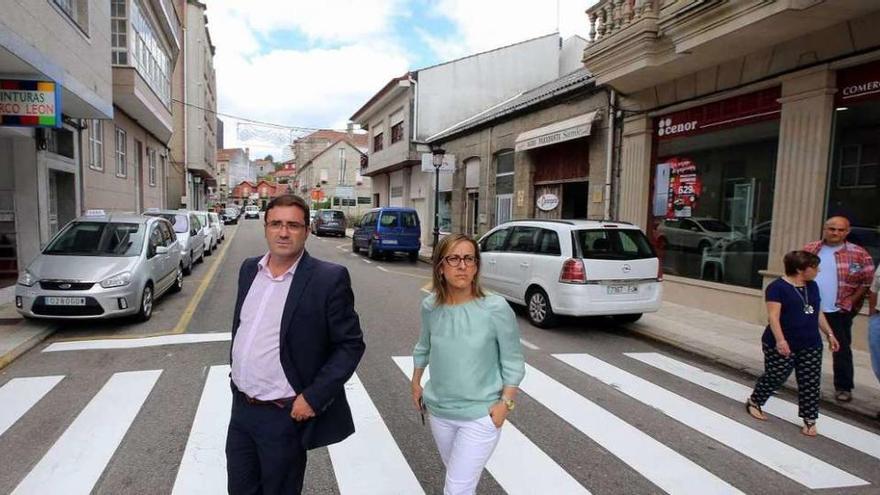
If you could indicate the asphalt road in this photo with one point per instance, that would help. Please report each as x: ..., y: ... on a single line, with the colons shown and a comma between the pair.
x: 597, y: 413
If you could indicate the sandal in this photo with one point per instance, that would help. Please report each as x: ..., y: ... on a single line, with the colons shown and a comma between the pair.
x: 809, y: 428
x: 754, y: 410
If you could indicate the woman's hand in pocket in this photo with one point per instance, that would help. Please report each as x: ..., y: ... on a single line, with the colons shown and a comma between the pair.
x: 498, y: 413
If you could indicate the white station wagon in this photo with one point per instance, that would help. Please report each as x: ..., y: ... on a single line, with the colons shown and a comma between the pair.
x: 572, y: 267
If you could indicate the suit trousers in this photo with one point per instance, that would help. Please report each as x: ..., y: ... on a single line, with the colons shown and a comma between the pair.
x: 264, y: 454
x: 841, y: 323
x: 465, y: 447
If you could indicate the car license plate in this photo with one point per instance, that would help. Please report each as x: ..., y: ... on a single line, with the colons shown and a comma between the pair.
x: 389, y: 241
x: 65, y: 301
x: 623, y: 289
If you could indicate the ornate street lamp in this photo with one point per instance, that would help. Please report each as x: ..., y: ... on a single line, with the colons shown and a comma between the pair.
x: 437, y: 155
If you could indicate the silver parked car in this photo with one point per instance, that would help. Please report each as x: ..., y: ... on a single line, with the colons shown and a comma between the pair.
x: 210, y: 238
x: 102, y: 266
x: 189, y: 233
x: 217, y: 226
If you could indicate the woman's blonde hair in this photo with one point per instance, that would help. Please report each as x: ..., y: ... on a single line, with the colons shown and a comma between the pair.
x: 440, y: 252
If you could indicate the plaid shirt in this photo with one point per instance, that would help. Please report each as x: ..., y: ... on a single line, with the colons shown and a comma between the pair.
x: 855, y: 269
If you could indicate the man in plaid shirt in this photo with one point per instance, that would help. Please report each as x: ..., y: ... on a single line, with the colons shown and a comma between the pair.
x: 845, y: 274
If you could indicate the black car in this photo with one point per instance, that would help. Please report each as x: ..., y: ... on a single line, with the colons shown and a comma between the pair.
x: 330, y: 222
x: 230, y: 215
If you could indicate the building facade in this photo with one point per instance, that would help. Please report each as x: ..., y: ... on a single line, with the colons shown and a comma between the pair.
x: 332, y: 179
x: 403, y: 115
x: 192, y: 176
x: 127, y: 158
x: 41, y: 176
x: 541, y: 155
x: 233, y: 168
x: 748, y: 123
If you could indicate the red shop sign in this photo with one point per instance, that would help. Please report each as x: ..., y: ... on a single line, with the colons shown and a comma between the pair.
x: 732, y: 112
x: 858, y: 83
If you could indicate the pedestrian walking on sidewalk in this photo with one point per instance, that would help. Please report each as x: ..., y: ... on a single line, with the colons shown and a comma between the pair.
x: 471, y: 340
x: 792, y: 340
x: 844, y: 278
x: 296, y: 340
x: 874, y: 327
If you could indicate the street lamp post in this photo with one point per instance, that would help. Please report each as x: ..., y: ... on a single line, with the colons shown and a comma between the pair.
x: 437, y: 156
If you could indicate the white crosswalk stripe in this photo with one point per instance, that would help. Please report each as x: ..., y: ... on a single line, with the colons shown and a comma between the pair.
x: 370, y: 458
x: 788, y: 461
x: 203, y: 467
x: 19, y: 395
x: 77, y: 459
x: 851, y: 436
x: 661, y: 465
x: 136, y: 343
x: 517, y: 464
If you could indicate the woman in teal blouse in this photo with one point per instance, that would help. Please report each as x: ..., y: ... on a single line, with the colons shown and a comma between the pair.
x: 471, y: 341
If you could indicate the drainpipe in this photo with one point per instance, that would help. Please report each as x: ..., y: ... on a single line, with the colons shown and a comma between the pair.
x: 609, y: 151
x: 82, y: 187
x: 415, y: 125
x: 185, y: 97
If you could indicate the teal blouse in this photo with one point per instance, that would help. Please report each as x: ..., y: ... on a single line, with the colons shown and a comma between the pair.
x: 474, y: 351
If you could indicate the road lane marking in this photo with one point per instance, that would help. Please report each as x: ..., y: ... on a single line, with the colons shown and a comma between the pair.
x: 200, y: 292
x: 370, y: 458
x: 517, y: 464
x: 784, y: 459
x: 78, y: 458
x: 851, y: 436
x: 203, y: 467
x: 528, y: 344
x: 661, y: 465
x: 353, y: 255
x: 367, y: 261
x: 135, y: 343
x: 19, y: 395
x: 383, y: 268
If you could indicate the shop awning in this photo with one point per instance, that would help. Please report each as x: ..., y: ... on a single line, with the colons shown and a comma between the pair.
x: 573, y: 128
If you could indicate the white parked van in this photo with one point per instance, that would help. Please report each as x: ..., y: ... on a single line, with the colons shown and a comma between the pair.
x: 251, y: 211
x: 572, y: 267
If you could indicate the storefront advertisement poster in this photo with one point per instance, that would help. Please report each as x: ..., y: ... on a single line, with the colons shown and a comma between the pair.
x: 684, y: 188
x: 661, y: 189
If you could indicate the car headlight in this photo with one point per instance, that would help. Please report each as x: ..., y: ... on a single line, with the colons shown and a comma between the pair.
x: 27, y: 279
x: 117, y: 280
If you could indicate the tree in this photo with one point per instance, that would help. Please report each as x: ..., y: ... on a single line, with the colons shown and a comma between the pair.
x: 269, y: 158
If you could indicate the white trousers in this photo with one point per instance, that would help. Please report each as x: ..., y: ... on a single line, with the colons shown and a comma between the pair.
x: 465, y: 447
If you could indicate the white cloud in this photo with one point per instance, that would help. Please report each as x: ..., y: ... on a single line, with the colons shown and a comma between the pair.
x: 487, y: 24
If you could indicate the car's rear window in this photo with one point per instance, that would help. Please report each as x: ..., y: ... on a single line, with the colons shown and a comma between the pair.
x: 329, y: 216
x: 409, y: 219
x: 388, y: 219
x: 179, y: 220
x: 614, y: 244
x: 98, y: 239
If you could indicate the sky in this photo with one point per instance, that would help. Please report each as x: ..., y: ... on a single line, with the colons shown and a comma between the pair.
x: 312, y: 64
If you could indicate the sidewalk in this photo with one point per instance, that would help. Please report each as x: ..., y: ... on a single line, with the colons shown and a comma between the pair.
x: 18, y: 335
x: 737, y: 344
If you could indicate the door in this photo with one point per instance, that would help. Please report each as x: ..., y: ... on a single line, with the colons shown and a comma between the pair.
x: 515, y: 263
x: 491, y: 247
x: 173, y: 257
x: 157, y: 264
x: 574, y: 199
x: 139, y: 175
x: 555, y: 190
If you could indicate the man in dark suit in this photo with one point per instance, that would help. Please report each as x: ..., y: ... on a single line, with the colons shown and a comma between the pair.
x: 296, y: 340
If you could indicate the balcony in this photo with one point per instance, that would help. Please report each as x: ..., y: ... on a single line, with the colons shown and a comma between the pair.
x: 636, y: 44
x: 135, y: 97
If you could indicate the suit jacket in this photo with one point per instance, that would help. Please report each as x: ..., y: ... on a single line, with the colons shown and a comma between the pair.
x: 321, y: 343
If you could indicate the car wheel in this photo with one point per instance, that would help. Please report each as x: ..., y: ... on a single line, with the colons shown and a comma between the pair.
x: 178, y: 280
x: 202, y: 256
x: 372, y: 252
x: 354, y: 247
x: 146, y: 306
x: 630, y: 318
x: 414, y: 256
x: 540, y: 311
x: 188, y: 269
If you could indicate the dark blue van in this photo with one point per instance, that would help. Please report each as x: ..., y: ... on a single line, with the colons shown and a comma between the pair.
x: 388, y: 230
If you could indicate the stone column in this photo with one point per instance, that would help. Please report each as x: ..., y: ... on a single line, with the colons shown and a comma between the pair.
x: 635, y: 171
x: 802, y: 163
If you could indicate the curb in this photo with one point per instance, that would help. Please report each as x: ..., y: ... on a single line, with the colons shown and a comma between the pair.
x: 826, y: 397
x: 40, y: 334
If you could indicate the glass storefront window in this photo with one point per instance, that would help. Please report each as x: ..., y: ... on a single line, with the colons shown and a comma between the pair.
x: 445, y: 210
x: 712, y: 203
x: 853, y: 186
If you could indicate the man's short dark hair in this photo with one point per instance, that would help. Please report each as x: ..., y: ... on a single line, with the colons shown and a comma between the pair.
x: 288, y: 200
x: 797, y: 261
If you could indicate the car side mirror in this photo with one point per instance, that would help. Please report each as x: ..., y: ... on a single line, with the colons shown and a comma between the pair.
x: 194, y: 232
x: 161, y: 250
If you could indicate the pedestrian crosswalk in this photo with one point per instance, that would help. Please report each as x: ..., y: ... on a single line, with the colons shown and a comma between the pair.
x: 374, y: 461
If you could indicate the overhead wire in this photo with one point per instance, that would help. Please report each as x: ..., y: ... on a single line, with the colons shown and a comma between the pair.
x: 254, y: 121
